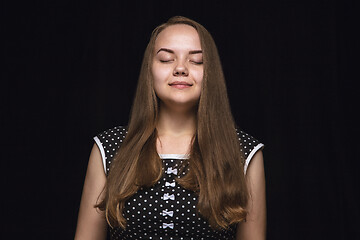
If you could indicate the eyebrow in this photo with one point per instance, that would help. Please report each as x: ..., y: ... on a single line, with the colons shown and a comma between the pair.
x: 171, y: 51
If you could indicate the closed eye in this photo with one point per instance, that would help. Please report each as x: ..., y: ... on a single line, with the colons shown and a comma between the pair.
x: 196, y: 62
x: 165, y: 61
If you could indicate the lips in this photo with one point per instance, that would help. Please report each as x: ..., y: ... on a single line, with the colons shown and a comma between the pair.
x: 180, y: 84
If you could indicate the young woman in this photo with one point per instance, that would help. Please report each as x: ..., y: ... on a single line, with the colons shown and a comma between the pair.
x: 181, y: 169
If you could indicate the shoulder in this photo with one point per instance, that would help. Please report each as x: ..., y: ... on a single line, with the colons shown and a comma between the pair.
x: 249, y: 146
x: 108, y: 142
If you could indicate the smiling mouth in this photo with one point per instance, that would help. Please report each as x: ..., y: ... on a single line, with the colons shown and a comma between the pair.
x: 180, y: 84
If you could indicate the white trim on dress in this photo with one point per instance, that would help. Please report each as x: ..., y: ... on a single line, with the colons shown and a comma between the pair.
x: 102, y: 151
x: 251, y: 154
x: 174, y: 156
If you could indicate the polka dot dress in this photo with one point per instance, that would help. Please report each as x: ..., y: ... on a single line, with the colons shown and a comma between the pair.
x: 165, y: 210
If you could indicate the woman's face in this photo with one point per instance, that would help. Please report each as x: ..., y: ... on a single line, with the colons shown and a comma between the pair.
x: 177, y: 66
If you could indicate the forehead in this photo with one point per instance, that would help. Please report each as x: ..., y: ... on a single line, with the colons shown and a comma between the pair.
x: 179, y: 36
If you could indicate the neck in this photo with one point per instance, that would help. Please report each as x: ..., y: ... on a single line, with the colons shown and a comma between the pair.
x: 176, y: 122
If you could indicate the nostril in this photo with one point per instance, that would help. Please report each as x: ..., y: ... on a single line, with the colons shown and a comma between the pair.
x: 180, y: 71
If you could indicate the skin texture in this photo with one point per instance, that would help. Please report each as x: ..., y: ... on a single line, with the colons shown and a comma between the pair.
x: 178, y: 73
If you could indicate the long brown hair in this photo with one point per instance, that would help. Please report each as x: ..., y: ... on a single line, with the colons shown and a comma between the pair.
x: 216, y: 170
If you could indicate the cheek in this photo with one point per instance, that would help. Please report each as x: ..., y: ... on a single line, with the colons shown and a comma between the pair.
x: 159, y: 78
x: 198, y: 76
x: 159, y: 74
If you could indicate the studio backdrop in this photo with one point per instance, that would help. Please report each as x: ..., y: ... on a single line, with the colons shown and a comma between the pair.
x: 71, y: 71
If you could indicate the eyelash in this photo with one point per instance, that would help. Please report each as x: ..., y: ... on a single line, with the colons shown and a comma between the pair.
x: 195, y: 62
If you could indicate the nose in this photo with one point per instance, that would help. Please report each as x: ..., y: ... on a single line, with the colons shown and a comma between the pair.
x: 180, y: 70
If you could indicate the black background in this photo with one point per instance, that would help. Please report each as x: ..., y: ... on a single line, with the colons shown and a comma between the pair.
x: 70, y: 71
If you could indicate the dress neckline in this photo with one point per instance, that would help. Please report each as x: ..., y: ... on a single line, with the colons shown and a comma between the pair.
x: 174, y: 156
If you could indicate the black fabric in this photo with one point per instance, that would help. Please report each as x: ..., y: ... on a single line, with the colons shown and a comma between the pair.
x: 111, y: 141
x: 166, y: 210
